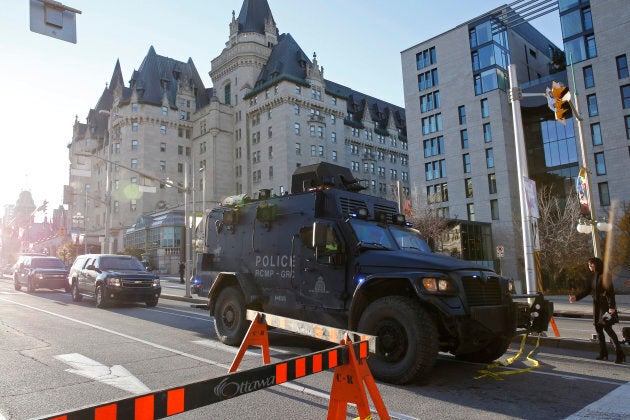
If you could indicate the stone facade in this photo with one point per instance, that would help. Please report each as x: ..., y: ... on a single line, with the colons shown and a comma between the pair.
x: 270, y: 111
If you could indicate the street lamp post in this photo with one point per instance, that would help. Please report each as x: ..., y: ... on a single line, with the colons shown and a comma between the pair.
x: 108, y: 210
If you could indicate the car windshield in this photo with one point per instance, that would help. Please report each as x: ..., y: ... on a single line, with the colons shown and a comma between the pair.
x: 115, y: 263
x: 370, y: 233
x: 408, y: 238
x: 47, y: 263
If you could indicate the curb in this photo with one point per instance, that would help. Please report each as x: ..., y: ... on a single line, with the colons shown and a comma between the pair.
x: 568, y: 344
x: 573, y: 314
x: 184, y: 299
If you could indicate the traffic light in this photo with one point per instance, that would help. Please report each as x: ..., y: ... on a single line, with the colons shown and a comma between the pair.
x: 562, y: 98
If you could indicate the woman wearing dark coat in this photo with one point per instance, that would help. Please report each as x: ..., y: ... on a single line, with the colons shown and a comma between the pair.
x: 603, y: 306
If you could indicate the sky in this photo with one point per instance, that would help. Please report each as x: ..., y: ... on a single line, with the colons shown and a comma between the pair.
x: 46, y: 83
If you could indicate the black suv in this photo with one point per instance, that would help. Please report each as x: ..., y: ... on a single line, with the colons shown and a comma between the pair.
x: 36, y: 272
x: 109, y: 277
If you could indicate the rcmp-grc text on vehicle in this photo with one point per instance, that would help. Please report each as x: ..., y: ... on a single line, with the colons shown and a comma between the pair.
x: 330, y: 255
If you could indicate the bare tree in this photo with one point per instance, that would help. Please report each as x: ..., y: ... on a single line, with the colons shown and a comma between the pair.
x: 564, y: 251
x: 620, y: 245
x: 429, y: 221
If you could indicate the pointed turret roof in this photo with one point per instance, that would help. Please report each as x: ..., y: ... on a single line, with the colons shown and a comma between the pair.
x: 253, y: 15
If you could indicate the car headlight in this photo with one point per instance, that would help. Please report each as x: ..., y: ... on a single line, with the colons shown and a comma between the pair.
x: 114, y: 281
x: 435, y: 284
x: 40, y: 276
x: 156, y: 282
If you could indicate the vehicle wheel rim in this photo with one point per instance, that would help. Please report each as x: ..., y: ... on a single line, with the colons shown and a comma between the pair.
x: 99, y: 296
x: 229, y: 317
x: 392, y: 340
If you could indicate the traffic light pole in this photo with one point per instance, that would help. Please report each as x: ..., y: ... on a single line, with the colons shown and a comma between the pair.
x: 521, y: 165
x: 589, y: 189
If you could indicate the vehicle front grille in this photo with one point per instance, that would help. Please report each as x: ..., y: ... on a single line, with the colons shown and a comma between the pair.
x: 482, y: 291
x: 137, y: 283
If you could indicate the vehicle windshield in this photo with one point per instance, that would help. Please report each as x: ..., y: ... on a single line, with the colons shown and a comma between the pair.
x: 408, y: 238
x: 115, y: 263
x: 47, y: 263
x: 370, y: 233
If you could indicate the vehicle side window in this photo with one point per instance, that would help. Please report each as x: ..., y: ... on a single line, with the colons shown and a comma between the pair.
x: 306, y: 236
x: 332, y: 243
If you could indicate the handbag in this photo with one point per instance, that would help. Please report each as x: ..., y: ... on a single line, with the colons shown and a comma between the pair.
x: 609, y: 319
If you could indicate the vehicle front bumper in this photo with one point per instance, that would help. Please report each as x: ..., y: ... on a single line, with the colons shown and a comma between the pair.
x: 133, y: 295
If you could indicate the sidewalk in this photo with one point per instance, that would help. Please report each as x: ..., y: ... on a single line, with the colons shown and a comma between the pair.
x: 174, y: 290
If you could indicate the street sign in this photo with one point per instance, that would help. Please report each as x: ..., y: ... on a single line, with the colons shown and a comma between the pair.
x: 500, y: 251
x: 51, y: 18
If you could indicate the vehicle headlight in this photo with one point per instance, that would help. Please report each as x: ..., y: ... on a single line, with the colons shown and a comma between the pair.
x: 511, y: 286
x: 114, y: 281
x: 156, y: 282
x: 40, y: 276
x: 435, y: 284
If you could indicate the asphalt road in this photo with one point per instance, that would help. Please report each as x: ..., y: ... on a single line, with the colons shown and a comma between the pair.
x: 52, y: 350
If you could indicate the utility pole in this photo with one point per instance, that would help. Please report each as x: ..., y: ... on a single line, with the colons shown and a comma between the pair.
x: 521, y: 165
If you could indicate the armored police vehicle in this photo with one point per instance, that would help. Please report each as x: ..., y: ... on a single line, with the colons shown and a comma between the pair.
x: 330, y: 255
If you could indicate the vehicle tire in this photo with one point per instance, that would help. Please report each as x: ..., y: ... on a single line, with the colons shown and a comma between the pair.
x: 67, y: 288
x: 152, y: 303
x: 30, y: 287
x: 495, y: 349
x: 407, y: 343
x: 16, y: 285
x: 101, y: 297
x: 230, y: 316
x: 76, y: 295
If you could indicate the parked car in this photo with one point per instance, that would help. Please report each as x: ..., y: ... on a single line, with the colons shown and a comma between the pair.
x: 108, y: 278
x: 21, y: 258
x: 37, y: 272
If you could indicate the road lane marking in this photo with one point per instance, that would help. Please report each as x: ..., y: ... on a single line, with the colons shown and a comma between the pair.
x: 116, y: 376
x: 287, y: 385
x: 614, y: 405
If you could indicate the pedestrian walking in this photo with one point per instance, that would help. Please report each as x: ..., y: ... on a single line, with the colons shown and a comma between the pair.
x: 604, y: 308
x: 182, y: 271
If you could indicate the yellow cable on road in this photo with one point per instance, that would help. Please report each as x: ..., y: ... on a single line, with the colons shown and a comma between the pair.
x: 498, y: 375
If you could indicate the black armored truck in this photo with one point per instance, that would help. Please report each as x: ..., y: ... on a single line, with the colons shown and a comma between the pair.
x: 330, y: 255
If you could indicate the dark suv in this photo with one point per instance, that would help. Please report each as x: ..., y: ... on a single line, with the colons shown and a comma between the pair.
x: 36, y: 272
x: 109, y: 277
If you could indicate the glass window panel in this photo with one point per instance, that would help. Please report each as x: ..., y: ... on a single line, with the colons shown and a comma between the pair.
x: 604, y: 195
x: 625, y: 96
x: 567, y: 4
x: 589, y: 80
x: 592, y: 105
x: 486, y: 56
x: 489, y: 80
x: 596, y: 134
x: 464, y: 139
x: 484, y: 32
x: 587, y: 20
x: 622, y: 67
x: 571, y: 23
x: 576, y: 50
x: 600, y: 164
x: 591, y: 47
